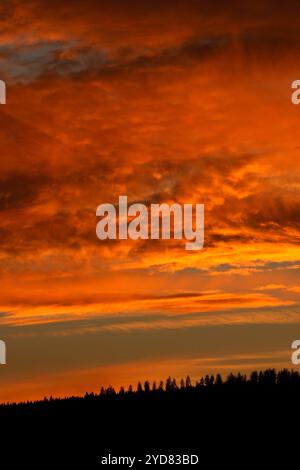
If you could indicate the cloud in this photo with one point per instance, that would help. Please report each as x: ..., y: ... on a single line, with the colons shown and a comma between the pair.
x: 271, y: 287
x: 18, y: 191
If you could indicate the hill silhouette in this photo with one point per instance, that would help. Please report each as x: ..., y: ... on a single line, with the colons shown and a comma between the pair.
x: 212, y: 418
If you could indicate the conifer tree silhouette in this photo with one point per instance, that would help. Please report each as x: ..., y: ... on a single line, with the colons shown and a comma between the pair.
x: 161, y: 386
x: 168, y: 384
x: 147, y: 386
x: 188, y: 382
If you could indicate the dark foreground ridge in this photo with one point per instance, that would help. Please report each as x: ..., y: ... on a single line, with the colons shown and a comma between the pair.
x: 213, y: 418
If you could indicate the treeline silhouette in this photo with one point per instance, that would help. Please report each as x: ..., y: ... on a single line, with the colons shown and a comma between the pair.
x: 268, y: 380
x: 211, y: 417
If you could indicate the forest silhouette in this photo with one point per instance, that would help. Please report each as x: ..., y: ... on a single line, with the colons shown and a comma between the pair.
x: 267, y: 381
x: 210, y: 417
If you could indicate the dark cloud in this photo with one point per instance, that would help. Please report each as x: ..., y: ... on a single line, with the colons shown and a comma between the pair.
x: 19, y: 190
x: 31, y: 62
x: 268, y: 209
x: 26, y: 63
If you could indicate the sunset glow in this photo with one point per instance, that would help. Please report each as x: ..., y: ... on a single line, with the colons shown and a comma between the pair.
x: 164, y: 102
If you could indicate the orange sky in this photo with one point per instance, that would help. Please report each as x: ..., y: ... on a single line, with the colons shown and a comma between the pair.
x: 171, y: 101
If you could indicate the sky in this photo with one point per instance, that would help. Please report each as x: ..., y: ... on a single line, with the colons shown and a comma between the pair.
x: 171, y: 101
